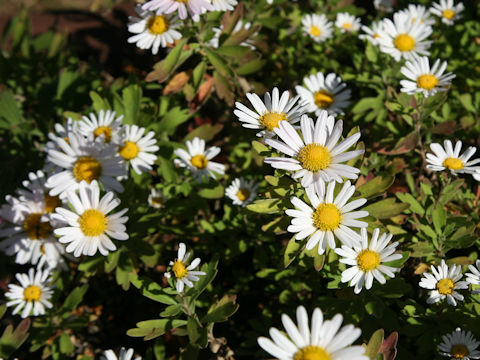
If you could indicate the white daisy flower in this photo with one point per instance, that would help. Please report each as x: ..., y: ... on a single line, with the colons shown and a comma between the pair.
x: 447, y: 11
x: 373, y: 33
x: 270, y: 112
x: 317, y: 27
x: 366, y: 259
x: 153, y: 29
x: 418, y: 13
x: 184, y: 273
x: 89, y: 227
x: 106, y: 126
x: 123, y: 355
x: 474, y: 277
x: 194, y: 7
x: 383, y: 5
x: 33, y: 295
x: 156, y: 199
x: 242, y: 191
x: 459, y: 345
x: 443, y: 283
x: 82, y: 159
x: 347, y: 23
x: 317, y: 158
x: 422, y: 78
x: 223, y: 5
x: 324, y: 93
x: 198, y: 160
x: 403, y: 38
x: 62, y: 132
x: 328, y: 217
x: 136, y: 149
x: 449, y: 158
x: 324, y: 340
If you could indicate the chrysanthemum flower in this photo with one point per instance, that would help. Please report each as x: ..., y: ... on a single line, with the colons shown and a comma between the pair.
x: 347, y: 23
x: 373, y: 33
x: 366, y: 259
x: 33, y: 295
x: 83, y: 159
x: 123, y: 355
x: 89, y: 227
x: 328, y: 217
x: 403, y: 38
x: 474, y: 276
x: 317, y: 158
x: 198, y: 160
x: 324, y: 340
x: 224, y: 5
x: 448, y: 12
x: 242, y: 191
x: 194, y: 7
x: 156, y: 199
x: 418, y: 13
x: 324, y: 93
x: 443, y: 283
x: 317, y: 27
x: 105, y: 126
x: 422, y: 78
x: 459, y: 344
x: 153, y: 30
x: 269, y: 112
x: 184, y: 273
x: 136, y: 149
x: 449, y: 158
x: 61, y: 132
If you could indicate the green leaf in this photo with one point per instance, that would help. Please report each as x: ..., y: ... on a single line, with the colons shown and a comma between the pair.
x: 196, y: 333
x: 415, y: 206
x: 66, y: 345
x: 265, y: 206
x: 163, y: 69
x: 12, y: 339
x: 172, y: 310
x: 218, y: 63
x: 206, y: 132
x: 374, y: 344
x: 98, y: 103
x: 375, y: 187
x: 9, y: 109
x: 212, y: 193
x: 221, y: 310
x: 385, y: 209
x: 205, y: 280
x: 172, y: 119
x: 198, y: 74
x: 74, y: 299
x: 151, y: 289
x: 250, y: 67
x: 150, y: 329
x: 449, y: 191
x: 233, y: 51
x: 260, y: 148
x: 292, y: 250
x: 223, y: 88
x: 132, y: 97
x: 439, y: 217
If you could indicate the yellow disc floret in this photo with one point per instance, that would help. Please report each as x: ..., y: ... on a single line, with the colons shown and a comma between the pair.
x: 347, y: 26
x: 32, y: 293
x: 92, y: 222
x: 129, y: 151
x: 427, y: 81
x: 314, y: 157
x: 87, y: 168
x: 453, y: 163
x: 106, y: 131
x: 157, y: 25
x: 327, y: 217
x: 243, y: 194
x: 312, y: 352
x: 448, y: 14
x: 445, y: 286
x: 51, y: 202
x: 199, y: 161
x: 368, y: 260
x: 459, y: 351
x: 270, y: 120
x: 404, y: 42
x: 315, y: 31
x: 323, y: 99
x: 179, y: 269
x: 35, y: 228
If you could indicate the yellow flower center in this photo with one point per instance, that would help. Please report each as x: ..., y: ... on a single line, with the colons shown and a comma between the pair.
x: 32, y: 293
x: 92, y: 222
x: 270, y: 120
x: 347, y: 26
x: 323, y: 99
x: 327, y: 217
x: 87, y: 168
x: 35, y: 228
x: 129, y: 151
x: 199, y: 161
x: 459, y: 351
x: 368, y: 260
x: 404, y: 42
x: 314, y: 157
x: 445, y: 286
x: 179, y: 269
x: 427, y: 81
x: 312, y: 352
x: 157, y: 201
x: 453, y: 163
x: 106, y: 131
x: 243, y: 194
x: 448, y: 14
x: 182, y: 1
x: 315, y: 31
x: 51, y: 202
x: 158, y: 24
x: 376, y: 36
